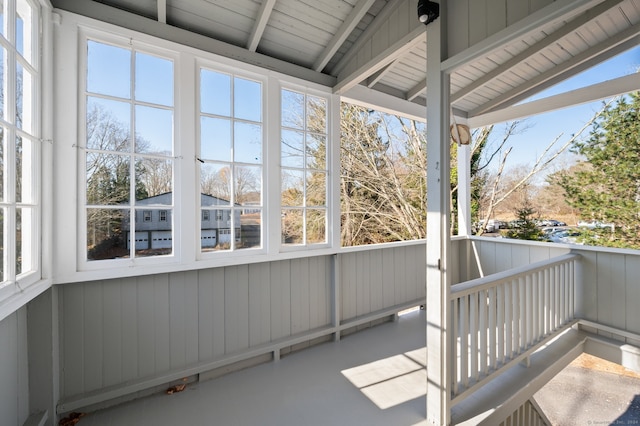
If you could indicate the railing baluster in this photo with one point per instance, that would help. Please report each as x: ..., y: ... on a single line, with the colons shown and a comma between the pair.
x: 522, y: 314
x: 493, y: 306
x: 547, y: 301
x: 508, y: 320
x: 473, y: 330
x: 496, y: 321
x: 562, y: 297
x: 556, y: 287
x: 529, y: 309
x: 500, y: 306
x: 464, y: 341
x: 482, y: 323
x: 535, y: 279
x: 456, y: 344
x: 572, y: 288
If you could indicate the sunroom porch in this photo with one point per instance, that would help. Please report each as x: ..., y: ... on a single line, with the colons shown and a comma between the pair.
x: 570, y: 301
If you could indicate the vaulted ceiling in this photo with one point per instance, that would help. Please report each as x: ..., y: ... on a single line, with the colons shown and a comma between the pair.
x: 325, y: 41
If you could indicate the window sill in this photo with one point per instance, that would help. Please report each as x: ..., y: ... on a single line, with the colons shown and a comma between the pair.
x: 20, y: 298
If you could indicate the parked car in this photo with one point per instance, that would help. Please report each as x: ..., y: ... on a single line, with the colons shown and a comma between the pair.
x: 552, y: 222
x: 594, y: 224
x: 566, y: 236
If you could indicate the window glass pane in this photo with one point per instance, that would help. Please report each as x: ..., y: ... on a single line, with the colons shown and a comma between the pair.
x: 292, y: 109
x: 208, y: 232
x: 215, y: 93
x: 108, y: 70
x: 154, y: 177
x: 3, y: 83
x: 3, y: 244
x: 292, y: 188
x: 215, y: 139
x: 153, y: 237
x: 3, y: 175
x: 292, y: 149
x: 3, y: 15
x: 250, y: 229
x: 25, y: 226
x: 107, y: 233
x: 292, y: 229
x: 215, y: 184
x: 316, y: 221
x: 316, y: 188
x: 24, y: 100
x: 24, y: 170
x: 154, y: 130
x: 24, y: 42
x: 316, y: 114
x: 247, y: 99
x: 154, y: 80
x: 247, y: 185
x: 247, y: 147
x: 316, y: 151
x: 108, y: 179
x: 108, y: 125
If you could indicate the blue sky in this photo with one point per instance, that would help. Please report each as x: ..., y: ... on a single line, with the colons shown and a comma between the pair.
x: 544, y: 128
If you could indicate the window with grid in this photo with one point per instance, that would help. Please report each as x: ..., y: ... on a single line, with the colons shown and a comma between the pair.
x: 128, y: 152
x: 230, y: 154
x: 304, y: 170
x: 19, y: 144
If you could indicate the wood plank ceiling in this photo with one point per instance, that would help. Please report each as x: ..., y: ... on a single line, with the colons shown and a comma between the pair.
x: 320, y: 36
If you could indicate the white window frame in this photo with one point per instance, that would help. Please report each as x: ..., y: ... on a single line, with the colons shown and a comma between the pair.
x: 331, y: 141
x: 266, y: 122
x: 69, y: 261
x: 17, y: 288
x: 136, y: 45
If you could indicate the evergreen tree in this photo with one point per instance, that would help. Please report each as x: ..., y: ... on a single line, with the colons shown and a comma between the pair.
x: 606, y: 188
x: 526, y: 228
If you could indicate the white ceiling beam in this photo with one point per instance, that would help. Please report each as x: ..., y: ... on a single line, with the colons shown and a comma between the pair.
x: 556, y: 11
x: 378, y: 22
x: 162, y: 11
x: 343, y: 32
x: 376, y: 77
x: 602, y: 57
x: 595, y: 92
x: 261, y: 23
x: 533, y: 83
x: 131, y: 21
x: 390, y: 54
x: 536, y: 48
x: 417, y: 90
x: 374, y: 99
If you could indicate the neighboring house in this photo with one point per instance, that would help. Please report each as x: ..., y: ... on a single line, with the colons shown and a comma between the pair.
x: 154, y: 225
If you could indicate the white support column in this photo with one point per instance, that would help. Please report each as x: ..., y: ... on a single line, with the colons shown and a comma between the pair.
x: 438, y: 218
x: 464, y: 189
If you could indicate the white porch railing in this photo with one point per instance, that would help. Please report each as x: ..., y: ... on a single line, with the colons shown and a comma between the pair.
x: 498, y: 320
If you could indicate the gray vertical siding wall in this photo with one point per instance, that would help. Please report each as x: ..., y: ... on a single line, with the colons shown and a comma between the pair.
x: 129, y: 329
x: 117, y: 332
x: 610, y: 288
x: 14, y: 376
x: 608, y: 279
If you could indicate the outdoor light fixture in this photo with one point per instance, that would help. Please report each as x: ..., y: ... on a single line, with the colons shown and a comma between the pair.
x: 428, y: 11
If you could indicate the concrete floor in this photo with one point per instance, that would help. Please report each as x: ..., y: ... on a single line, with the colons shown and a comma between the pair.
x: 591, y: 392
x: 373, y: 377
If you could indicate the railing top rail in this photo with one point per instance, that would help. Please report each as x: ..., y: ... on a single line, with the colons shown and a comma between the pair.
x: 483, y: 283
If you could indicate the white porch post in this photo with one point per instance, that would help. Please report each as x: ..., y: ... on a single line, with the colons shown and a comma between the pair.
x: 464, y: 189
x: 438, y: 218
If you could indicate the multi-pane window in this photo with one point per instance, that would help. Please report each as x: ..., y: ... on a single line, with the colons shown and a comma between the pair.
x: 128, y: 151
x: 230, y: 154
x: 303, y: 168
x: 19, y: 142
